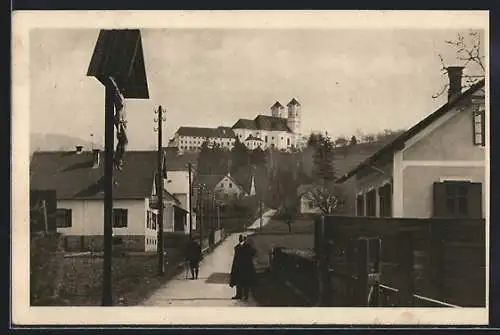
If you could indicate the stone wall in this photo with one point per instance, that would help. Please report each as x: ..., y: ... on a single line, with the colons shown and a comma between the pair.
x: 95, y: 242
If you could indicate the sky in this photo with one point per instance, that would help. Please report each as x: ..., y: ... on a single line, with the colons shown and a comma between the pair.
x: 346, y: 80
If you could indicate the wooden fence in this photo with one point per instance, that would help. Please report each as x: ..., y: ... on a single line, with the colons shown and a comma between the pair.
x: 401, y: 262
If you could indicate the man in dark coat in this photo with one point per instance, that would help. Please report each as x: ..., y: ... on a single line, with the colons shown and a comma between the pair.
x: 234, y: 269
x: 243, y: 271
x: 193, y: 257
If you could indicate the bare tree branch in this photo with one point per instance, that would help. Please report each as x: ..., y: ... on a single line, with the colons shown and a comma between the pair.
x: 467, y: 52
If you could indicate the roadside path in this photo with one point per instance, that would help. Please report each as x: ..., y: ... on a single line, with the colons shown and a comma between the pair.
x: 212, y: 287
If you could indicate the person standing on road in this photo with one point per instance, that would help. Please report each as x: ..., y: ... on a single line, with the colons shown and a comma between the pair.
x: 193, y: 257
x: 243, y: 271
x: 235, y: 272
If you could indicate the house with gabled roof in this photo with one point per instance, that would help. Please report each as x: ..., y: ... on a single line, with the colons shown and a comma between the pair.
x: 437, y: 168
x: 225, y: 187
x: 77, y: 178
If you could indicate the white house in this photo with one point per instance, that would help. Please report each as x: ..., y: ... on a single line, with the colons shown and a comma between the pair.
x: 435, y: 169
x: 225, y: 187
x: 177, y: 184
x: 192, y: 138
x: 77, y: 178
x: 306, y: 205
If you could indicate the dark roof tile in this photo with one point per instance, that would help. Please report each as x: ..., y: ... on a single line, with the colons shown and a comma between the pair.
x: 73, y: 177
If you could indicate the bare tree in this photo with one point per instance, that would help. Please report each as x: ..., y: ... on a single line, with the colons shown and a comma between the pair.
x: 468, y: 51
x: 328, y: 198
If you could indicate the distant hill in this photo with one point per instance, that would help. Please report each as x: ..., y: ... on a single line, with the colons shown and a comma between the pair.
x: 53, y: 142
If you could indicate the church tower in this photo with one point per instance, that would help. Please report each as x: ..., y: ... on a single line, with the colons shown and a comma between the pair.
x: 294, y: 116
x: 277, y: 110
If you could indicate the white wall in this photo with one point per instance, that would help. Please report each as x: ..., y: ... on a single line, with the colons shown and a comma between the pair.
x: 88, y: 217
x: 177, y: 183
x: 305, y: 209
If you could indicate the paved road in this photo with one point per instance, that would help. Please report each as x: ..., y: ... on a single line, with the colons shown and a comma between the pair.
x: 211, y: 288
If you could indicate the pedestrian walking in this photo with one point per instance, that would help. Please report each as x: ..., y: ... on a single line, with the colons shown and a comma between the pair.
x: 243, y: 271
x: 193, y: 257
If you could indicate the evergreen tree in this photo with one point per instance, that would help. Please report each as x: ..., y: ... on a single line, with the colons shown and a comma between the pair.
x: 323, y: 169
x: 239, y: 156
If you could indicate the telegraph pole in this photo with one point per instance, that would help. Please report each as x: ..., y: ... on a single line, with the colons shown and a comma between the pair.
x: 201, y: 215
x: 109, y: 131
x: 190, y: 167
x: 159, y: 186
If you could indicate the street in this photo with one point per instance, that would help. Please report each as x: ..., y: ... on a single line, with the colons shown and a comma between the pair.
x: 211, y: 288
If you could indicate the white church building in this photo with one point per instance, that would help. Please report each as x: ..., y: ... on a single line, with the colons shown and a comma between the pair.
x: 280, y: 130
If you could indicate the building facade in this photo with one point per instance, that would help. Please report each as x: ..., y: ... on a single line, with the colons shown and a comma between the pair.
x: 192, y: 138
x: 77, y: 178
x: 435, y: 169
x: 280, y: 130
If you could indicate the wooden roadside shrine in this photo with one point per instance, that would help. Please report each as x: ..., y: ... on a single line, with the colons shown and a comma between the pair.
x: 118, y: 63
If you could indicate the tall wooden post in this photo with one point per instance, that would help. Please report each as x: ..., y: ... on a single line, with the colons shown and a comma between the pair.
x: 161, y: 262
x: 190, y: 167
x: 362, y: 273
x: 405, y: 275
x: 109, y: 130
x: 201, y: 216
x: 118, y: 55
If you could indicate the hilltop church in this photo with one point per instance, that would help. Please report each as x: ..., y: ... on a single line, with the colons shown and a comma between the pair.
x: 280, y: 131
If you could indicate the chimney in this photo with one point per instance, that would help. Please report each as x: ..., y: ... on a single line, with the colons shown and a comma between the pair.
x: 79, y: 149
x: 455, y: 77
x: 95, y: 158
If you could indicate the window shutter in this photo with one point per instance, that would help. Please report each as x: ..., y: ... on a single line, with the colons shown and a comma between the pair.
x: 474, y: 200
x: 439, y: 200
x: 483, y: 128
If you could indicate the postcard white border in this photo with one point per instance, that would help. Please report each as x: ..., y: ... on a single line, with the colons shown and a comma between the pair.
x: 24, y: 21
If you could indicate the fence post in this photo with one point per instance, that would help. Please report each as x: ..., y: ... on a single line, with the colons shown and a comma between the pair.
x: 435, y: 279
x: 320, y: 247
x: 375, y: 252
x: 405, y: 275
x: 362, y: 273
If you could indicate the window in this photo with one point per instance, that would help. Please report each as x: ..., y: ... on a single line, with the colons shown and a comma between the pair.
x: 288, y: 141
x: 479, y: 128
x: 153, y: 221
x: 230, y: 185
x: 458, y: 199
x: 120, y: 216
x: 360, y: 205
x: 385, y: 200
x: 266, y: 138
x: 371, y: 201
x: 63, y: 218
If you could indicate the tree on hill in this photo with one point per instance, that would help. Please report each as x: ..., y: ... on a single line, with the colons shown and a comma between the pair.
x: 313, y: 139
x: 324, y: 193
x: 212, y: 159
x: 353, y: 140
x: 258, y: 157
x: 239, y: 156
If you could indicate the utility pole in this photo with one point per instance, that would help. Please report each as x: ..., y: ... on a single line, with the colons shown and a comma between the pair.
x: 201, y: 215
x: 190, y: 167
x: 260, y: 206
x: 109, y: 132
x: 159, y: 187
